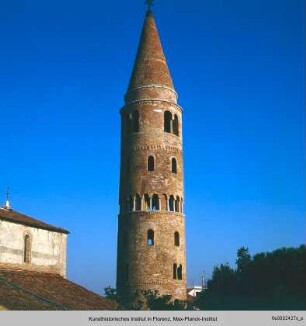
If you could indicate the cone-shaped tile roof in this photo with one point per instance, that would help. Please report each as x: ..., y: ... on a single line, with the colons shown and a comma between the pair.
x: 150, y: 66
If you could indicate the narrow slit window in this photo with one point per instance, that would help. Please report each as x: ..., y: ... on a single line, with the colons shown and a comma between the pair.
x: 27, y: 249
x: 155, y: 203
x: 177, y: 204
x: 176, y: 239
x: 180, y: 272
x: 167, y: 121
x: 171, y: 203
x: 150, y: 238
x: 150, y: 163
x: 175, y: 125
x: 173, y: 165
x: 174, y: 271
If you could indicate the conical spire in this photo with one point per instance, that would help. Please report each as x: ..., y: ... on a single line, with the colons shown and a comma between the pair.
x: 150, y: 66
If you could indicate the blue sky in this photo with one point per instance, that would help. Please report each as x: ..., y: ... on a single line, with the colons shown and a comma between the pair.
x: 238, y: 69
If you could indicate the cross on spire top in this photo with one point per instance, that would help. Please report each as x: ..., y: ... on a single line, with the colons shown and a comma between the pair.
x: 149, y: 3
x: 7, y: 193
x: 7, y: 201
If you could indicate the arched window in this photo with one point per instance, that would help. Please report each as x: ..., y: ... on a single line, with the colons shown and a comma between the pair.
x: 179, y: 272
x: 167, y: 121
x: 173, y: 165
x: 150, y: 163
x: 135, y: 121
x: 177, y: 204
x: 147, y: 202
x: 171, y: 203
x: 138, y: 203
x: 27, y: 249
x: 176, y: 239
x: 175, y: 125
x: 155, y: 203
x: 174, y: 271
x: 150, y: 238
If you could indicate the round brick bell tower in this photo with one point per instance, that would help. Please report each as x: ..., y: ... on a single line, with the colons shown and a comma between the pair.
x: 151, y: 223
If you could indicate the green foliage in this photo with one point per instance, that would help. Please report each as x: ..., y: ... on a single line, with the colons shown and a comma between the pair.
x: 243, y: 259
x: 110, y: 293
x: 162, y: 302
x: 223, y: 279
x: 130, y: 301
x: 144, y: 300
x: 266, y: 281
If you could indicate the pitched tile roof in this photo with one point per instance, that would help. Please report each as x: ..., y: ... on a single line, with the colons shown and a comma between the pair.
x: 10, y: 215
x: 25, y: 290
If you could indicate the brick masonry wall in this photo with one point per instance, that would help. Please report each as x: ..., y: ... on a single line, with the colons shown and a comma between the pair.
x: 151, y: 267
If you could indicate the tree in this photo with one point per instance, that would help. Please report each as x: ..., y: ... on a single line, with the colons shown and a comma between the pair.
x: 131, y: 301
x: 266, y: 281
x: 223, y: 279
x: 144, y: 300
x: 243, y: 259
x: 154, y: 301
x: 111, y: 293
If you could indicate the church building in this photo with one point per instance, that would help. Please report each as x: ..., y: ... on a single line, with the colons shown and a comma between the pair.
x: 33, y: 267
x: 29, y: 244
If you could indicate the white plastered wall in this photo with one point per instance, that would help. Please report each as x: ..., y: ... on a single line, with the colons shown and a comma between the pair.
x: 48, y: 248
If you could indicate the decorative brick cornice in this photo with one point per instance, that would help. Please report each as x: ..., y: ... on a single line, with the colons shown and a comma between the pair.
x: 139, y: 103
